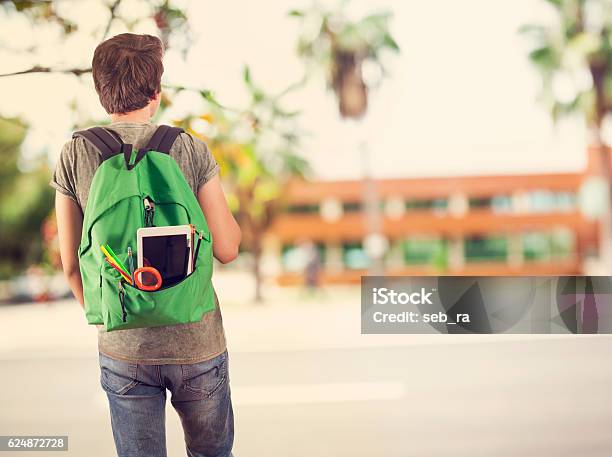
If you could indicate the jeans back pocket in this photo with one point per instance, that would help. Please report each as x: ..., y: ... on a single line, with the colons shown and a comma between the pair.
x: 206, y: 378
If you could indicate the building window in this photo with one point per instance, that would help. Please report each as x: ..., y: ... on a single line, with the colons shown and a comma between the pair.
x: 563, y: 242
x: 566, y: 201
x: 479, y: 202
x: 536, y: 246
x: 354, y: 256
x: 501, y: 204
x: 539, y: 246
x: 544, y: 201
x: 305, y: 208
x: 351, y: 207
x: 497, y: 203
x: 426, y: 251
x: 485, y: 249
x: 292, y: 258
x: 426, y: 204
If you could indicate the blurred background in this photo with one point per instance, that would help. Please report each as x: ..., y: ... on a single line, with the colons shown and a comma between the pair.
x: 354, y: 137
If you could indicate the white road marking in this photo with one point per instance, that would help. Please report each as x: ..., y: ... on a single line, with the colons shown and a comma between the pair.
x: 316, y: 393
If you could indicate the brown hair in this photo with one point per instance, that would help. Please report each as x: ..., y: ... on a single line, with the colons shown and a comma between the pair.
x: 127, y: 71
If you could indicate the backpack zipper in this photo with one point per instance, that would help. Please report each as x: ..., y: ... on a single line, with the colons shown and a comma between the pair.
x: 122, y: 300
x: 149, y: 212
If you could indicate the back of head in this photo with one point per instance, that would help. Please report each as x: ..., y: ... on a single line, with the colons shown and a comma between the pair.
x: 127, y: 71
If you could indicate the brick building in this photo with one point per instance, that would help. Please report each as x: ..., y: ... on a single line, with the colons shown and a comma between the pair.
x: 473, y: 225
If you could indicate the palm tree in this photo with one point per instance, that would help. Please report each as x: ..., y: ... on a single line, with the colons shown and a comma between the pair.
x: 574, y: 58
x: 340, y: 47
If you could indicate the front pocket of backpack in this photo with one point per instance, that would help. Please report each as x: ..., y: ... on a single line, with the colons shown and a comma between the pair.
x: 183, y: 302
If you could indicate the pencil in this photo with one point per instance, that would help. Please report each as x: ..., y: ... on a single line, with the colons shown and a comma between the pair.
x: 130, y: 262
x: 195, y: 256
x: 114, y: 256
x: 123, y: 275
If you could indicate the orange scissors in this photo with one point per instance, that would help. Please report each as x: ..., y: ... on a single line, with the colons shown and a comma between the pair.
x: 147, y: 284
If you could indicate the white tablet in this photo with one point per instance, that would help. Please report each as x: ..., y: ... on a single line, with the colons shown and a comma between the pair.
x: 168, y: 249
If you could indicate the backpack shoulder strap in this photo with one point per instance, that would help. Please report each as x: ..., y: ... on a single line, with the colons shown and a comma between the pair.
x: 163, y: 138
x: 109, y: 144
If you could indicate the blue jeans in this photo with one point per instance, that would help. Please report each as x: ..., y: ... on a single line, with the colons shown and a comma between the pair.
x: 200, y: 395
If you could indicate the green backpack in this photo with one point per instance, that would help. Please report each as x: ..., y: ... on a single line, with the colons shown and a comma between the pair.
x: 124, y: 184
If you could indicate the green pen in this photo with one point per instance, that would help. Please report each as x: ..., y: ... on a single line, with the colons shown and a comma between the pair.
x: 114, y: 256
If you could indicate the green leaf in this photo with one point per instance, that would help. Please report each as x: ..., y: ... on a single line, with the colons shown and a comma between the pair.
x: 532, y: 29
x: 287, y: 114
x: 390, y: 43
x: 246, y: 75
x: 543, y: 57
x: 207, y: 95
x: 585, y: 44
x: 296, y: 165
x: 350, y: 39
x: 266, y: 190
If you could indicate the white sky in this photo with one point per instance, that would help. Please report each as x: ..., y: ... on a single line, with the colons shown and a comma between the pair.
x: 460, y: 99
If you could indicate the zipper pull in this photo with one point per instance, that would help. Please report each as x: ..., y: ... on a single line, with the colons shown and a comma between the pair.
x: 149, y: 211
x: 122, y: 300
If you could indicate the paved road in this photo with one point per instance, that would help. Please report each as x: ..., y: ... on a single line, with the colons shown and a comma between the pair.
x: 306, y: 383
x: 508, y: 398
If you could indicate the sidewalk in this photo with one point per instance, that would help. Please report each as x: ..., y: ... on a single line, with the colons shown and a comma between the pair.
x: 289, y: 320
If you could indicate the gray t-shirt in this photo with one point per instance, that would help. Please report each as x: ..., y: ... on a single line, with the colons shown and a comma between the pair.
x: 179, y: 344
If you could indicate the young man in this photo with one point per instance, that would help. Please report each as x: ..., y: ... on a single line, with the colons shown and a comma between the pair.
x: 138, y: 365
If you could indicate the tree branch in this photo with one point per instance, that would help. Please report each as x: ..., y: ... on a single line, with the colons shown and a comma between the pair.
x: 113, y: 16
x: 74, y: 71
x: 39, y: 69
x: 295, y: 86
x: 204, y: 93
